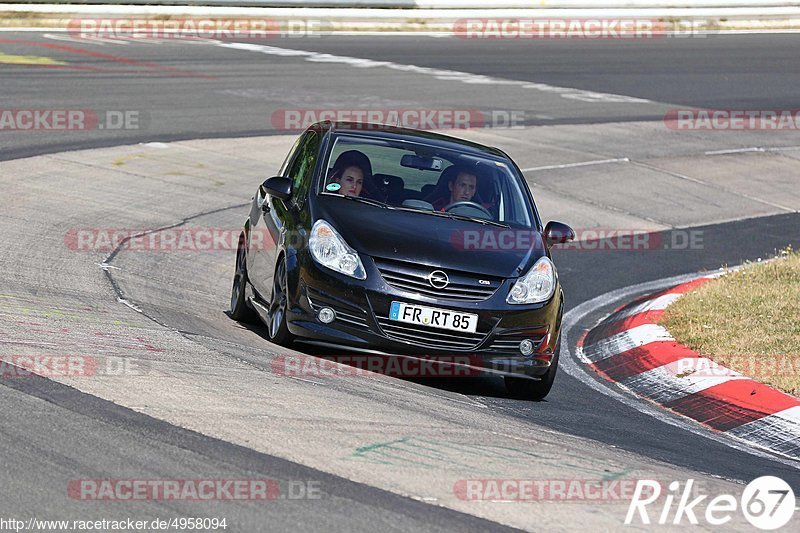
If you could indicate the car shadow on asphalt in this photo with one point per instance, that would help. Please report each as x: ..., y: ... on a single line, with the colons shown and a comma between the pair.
x: 449, y: 380
x: 487, y: 386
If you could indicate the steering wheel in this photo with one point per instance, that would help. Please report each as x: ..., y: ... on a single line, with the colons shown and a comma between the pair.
x: 467, y: 203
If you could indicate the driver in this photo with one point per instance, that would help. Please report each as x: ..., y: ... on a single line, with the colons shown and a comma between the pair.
x: 352, y: 171
x: 351, y: 180
x: 462, y: 189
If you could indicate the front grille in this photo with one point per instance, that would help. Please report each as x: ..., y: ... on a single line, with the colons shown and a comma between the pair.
x: 429, y: 337
x: 414, y: 278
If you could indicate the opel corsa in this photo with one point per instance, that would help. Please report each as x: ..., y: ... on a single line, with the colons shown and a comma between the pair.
x: 385, y: 240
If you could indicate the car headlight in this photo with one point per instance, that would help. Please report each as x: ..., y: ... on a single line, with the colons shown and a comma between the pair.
x: 536, y: 286
x: 330, y: 250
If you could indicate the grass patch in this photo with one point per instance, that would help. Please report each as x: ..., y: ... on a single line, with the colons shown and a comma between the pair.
x: 747, y: 320
x: 28, y: 60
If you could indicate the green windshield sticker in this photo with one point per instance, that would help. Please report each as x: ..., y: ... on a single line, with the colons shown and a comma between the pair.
x: 333, y: 187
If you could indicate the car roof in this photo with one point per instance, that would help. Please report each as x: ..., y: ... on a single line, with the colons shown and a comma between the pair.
x: 383, y: 131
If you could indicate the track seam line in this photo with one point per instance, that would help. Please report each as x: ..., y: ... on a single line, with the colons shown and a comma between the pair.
x: 712, y: 186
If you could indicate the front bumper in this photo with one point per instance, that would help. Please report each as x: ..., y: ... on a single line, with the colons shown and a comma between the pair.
x: 362, y: 324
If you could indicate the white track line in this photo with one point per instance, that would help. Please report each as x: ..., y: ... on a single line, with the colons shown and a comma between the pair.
x: 751, y: 149
x: 581, y: 164
x: 441, y: 74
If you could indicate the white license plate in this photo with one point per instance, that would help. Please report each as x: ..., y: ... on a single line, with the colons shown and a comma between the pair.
x: 436, y: 318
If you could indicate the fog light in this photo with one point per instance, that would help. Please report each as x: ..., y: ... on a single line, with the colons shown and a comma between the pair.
x: 526, y: 347
x: 326, y: 315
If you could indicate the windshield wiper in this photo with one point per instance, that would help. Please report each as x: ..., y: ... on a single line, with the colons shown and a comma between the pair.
x: 483, y: 221
x: 454, y: 216
x: 369, y: 201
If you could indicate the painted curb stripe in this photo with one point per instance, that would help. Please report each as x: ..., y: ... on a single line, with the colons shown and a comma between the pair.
x: 629, y: 347
x: 624, y: 341
x: 605, y: 330
x: 665, y: 384
x: 779, y: 431
x: 677, y: 289
x: 651, y: 304
x: 582, y: 339
x: 733, y: 403
x: 637, y: 360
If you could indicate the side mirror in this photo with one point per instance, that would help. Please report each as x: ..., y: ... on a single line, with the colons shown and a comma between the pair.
x: 558, y: 233
x: 279, y: 187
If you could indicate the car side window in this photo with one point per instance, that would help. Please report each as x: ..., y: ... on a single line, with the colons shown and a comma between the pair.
x: 290, y: 156
x: 301, y: 170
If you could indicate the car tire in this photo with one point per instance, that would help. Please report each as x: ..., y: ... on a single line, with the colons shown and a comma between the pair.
x: 528, y: 389
x: 240, y: 310
x: 278, y: 329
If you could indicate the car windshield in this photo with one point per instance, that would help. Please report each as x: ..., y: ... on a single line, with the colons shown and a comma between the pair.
x: 425, y: 178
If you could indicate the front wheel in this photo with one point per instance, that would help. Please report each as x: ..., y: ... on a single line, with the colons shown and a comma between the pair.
x: 528, y: 389
x: 240, y: 310
x: 278, y: 330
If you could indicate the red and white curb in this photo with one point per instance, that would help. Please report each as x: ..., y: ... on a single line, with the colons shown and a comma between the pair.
x: 631, y: 349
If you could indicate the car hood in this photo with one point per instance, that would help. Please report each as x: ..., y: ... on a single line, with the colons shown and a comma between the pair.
x: 433, y: 241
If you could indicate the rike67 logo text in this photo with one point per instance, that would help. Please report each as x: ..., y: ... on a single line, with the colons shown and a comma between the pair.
x: 767, y: 502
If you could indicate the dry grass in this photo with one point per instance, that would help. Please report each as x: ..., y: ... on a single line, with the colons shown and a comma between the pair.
x: 748, y: 320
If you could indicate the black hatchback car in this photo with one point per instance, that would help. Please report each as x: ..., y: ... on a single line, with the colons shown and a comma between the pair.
x: 382, y: 240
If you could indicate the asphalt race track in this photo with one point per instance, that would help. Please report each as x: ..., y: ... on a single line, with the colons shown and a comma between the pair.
x: 726, y: 71
x: 385, y: 453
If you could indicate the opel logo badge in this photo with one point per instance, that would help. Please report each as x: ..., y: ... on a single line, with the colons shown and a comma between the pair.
x: 438, y: 279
